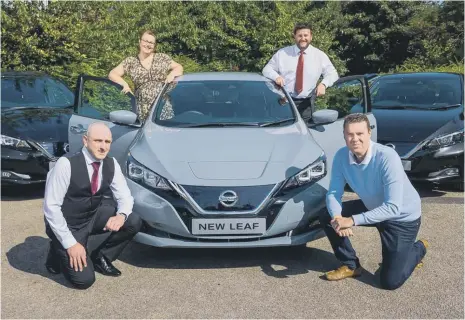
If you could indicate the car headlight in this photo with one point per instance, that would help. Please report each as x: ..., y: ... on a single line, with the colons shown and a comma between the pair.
x: 144, y: 176
x: 14, y: 143
x: 446, y: 140
x: 312, y: 173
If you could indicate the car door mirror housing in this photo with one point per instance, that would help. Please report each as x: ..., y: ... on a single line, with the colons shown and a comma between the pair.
x: 325, y: 116
x: 123, y: 117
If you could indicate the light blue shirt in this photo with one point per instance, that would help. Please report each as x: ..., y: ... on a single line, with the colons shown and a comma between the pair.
x: 380, y: 182
x: 316, y: 64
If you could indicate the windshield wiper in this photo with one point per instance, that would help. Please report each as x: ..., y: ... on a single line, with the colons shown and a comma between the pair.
x: 276, y: 123
x: 222, y: 124
x: 446, y: 107
x: 398, y: 107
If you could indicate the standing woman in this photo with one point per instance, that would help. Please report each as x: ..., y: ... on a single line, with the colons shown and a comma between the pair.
x: 149, y: 71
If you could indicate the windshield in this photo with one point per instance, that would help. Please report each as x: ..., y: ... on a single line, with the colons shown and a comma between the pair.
x: 35, y: 92
x: 223, y: 103
x: 420, y: 91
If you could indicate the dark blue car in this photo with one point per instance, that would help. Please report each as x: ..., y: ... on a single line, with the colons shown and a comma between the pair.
x: 420, y: 115
x: 35, y: 111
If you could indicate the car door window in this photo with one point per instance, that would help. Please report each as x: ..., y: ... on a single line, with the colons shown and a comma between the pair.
x: 344, y: 96
x: 102, y: 96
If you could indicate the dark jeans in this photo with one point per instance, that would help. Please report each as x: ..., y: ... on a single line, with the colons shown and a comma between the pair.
x: 400, y: 252
x: 111, y: 247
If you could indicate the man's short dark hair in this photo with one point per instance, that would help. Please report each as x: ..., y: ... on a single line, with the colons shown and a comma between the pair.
x: 302, y: 25
x: 356, y: 118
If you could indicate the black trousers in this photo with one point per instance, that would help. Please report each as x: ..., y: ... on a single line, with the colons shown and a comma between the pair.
x: 303, y: 106
x: 111, y: 247
x: 400, y: 252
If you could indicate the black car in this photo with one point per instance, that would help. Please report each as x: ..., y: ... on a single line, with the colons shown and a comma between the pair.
x: 35, y: 112
x: 420, y: 115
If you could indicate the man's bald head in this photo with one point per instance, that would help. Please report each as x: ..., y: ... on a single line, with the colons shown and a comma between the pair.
x: 98, y: 128
x: 97, y: 140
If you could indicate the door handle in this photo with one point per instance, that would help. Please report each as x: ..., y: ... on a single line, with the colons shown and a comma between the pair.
x: 79, y: 129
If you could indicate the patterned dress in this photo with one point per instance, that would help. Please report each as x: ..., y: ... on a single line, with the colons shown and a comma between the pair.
x: 149, y: 82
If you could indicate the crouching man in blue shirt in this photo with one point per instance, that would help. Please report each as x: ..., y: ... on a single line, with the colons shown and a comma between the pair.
x: 388, y: 201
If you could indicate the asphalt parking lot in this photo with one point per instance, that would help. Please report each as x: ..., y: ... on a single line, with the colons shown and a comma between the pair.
x: 235, y: 283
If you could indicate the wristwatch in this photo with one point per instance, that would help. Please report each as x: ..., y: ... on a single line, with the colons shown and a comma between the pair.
x: 125, y: 216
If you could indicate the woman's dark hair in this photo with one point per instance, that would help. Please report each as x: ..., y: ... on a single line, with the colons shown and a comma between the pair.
x: 302, y: 25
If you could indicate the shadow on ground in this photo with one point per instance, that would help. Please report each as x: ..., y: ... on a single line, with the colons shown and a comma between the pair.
x: 277, y: 262
x: 30, y: 256
x: 281, y: 262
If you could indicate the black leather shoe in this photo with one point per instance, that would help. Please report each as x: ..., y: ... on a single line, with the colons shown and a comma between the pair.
x: 52, y: 263
x: 105, y: 267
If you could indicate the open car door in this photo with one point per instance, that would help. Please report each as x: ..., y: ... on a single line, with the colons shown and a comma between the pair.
x: 347, y: 95
x: 101, y: 100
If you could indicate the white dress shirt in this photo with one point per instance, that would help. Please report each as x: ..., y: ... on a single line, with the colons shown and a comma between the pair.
x: 316, y: 64
x: 56, y: 187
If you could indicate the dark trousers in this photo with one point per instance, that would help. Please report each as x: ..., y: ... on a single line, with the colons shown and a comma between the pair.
x: 304, y: 107
x: 400, y: 252
x: 111, y: 247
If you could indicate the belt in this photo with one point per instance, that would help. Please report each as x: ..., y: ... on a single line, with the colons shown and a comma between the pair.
x: 300, y: 99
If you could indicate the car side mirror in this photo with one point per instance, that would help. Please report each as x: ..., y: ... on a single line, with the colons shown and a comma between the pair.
x: 324, y: 116
x: 123, y: 117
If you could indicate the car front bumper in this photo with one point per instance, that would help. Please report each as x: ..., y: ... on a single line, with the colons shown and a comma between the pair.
x: 291, y: 220
x: 20, y: 168
x: 442, y: 165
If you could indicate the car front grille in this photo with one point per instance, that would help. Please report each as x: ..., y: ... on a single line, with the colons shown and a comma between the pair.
x: 248, y: 198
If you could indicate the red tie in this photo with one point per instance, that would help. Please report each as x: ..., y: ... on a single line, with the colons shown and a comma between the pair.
x: 299, y: 79
x: 94, y: 182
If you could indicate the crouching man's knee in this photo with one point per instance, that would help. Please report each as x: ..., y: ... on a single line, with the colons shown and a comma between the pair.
x: 324, y: 217
x: 391, y: 283
x: 133, y: 224
x: 84, y: 283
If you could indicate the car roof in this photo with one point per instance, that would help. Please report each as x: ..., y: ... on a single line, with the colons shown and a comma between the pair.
x: 418, y: 74
x: 222, y: 76
x: 21, y: 74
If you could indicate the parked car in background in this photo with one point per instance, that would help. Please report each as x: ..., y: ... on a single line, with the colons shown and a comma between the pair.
x: 35, y: 111
x: 235, y: 166
x: 420, y: 115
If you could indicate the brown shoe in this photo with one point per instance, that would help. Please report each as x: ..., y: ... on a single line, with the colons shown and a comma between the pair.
x: 342, y: 273
x: 426, y: 244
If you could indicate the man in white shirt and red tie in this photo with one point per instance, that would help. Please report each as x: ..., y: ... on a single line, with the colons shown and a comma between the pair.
x: 87, y: 194
x: 298, y: 69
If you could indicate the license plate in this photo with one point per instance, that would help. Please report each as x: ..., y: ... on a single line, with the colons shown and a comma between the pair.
x: 228, y: 226
x: 407, y: 165
x: 51, y: 164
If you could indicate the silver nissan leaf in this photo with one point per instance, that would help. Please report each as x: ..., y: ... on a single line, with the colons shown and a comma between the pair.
x: 223, y: 159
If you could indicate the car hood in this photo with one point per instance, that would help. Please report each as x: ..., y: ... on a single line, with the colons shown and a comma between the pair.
x: 39, y: 125
x: 411, y: 125
x: 406, y: 128
x: 226, y: 156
